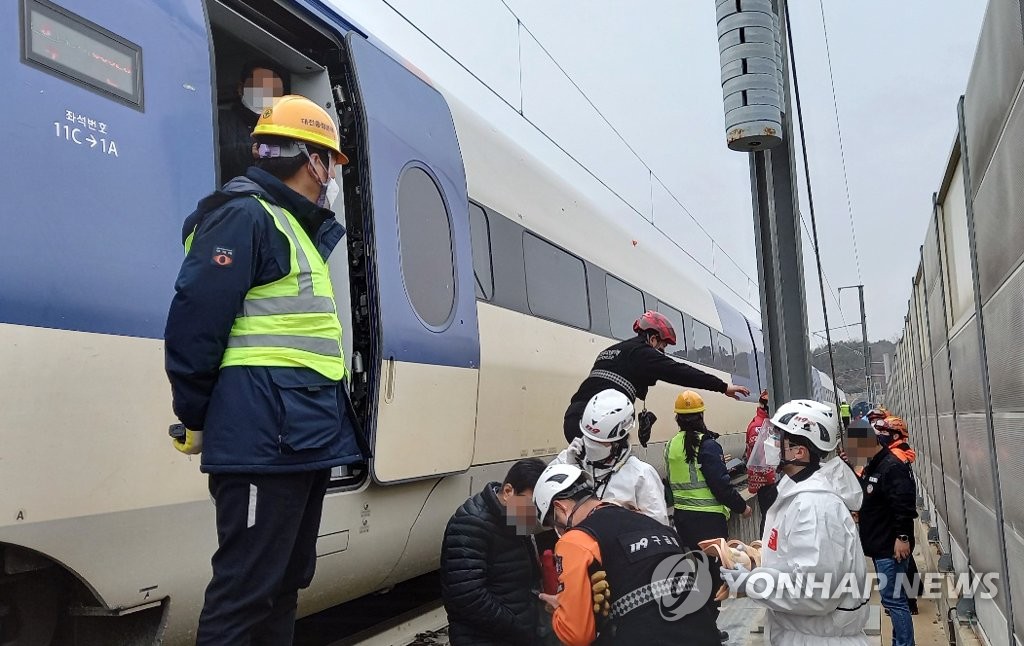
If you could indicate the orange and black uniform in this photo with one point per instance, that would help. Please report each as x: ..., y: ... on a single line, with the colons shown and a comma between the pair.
x: 628, y: 546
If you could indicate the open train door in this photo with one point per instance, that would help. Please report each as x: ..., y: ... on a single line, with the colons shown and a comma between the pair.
x: 418, y: 242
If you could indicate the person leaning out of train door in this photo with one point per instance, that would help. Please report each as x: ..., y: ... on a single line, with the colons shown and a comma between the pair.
x: 490, y: 569
x: 254, y: 355
x: 702, y: 493
x: 650, y: 600
x: 633, y: 366
x: 258, y: 85
x: 604, y: 452
x: 760, y: 480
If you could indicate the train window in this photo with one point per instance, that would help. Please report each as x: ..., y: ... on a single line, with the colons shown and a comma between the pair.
x: 425, y: 243
x: 700, y: 344
x: 625, y: 304
x: 556, y: 283
x: 724, y: 356
x: 483, y: 271
x: 675, y: 317
x: 81, y: 51
x: 743, y: 363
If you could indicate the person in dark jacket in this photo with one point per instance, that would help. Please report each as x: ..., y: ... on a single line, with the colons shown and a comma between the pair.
x: 633, y: 366
x: 490, y: 569
x: 253, y: 353
x: 258, y: 85
x: 886, y: 525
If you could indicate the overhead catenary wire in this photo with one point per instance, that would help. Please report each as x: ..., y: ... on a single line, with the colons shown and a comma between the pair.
x: 810, y: 204
x: 519, y: 110
x: 607, y: 121
x: 842, y: 148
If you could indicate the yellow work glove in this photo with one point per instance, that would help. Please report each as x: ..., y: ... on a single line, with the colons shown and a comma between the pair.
x: 190, y: 443
x: 602, y: 593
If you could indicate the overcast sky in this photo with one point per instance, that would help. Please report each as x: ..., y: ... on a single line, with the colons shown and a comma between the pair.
x: 899, y: 68
x: 652, y: 69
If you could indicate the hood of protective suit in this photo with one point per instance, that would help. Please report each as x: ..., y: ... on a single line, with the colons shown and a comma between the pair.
x: 841, y: 479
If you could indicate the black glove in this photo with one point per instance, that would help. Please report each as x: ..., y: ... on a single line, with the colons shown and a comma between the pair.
x: 645, y: 420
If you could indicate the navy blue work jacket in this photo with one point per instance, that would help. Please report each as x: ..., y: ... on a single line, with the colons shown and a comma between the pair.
x: 254, y: 419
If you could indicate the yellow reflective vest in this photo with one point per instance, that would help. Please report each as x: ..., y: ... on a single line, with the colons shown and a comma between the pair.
x: 293, y: 321
x: 690, y: 492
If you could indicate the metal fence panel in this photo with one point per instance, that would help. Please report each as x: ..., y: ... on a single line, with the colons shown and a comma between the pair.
x: 1009, y: 435
x: 1015, y: 565
x: 982, y: 527
x: 976, y: 457
x: 1004, y: 338
x: 999, y: 207
x: 997, y: 68
x: 965, y: 359
x: 943, y: 382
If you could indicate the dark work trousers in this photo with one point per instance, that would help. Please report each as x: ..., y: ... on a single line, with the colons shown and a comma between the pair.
x: 696, y: 526
x: 266, y: 531
x: 766, y: 496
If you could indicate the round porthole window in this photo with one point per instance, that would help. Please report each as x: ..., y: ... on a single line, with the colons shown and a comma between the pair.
x: 425, y: 236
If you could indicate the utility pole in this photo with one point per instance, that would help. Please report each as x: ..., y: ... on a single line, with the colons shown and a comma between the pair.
x: 864, y: 337
x: 755, y: 87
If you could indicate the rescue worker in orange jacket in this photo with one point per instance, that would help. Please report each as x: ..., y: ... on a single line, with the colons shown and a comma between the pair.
x: 658, y: 599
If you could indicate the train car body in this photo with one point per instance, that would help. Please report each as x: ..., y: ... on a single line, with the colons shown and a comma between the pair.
x: 484, y: 270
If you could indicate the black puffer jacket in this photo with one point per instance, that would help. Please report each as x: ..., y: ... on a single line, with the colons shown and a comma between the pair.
x: 489, y: 576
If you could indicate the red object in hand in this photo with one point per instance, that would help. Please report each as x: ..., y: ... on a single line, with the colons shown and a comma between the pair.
x: 549, y: 575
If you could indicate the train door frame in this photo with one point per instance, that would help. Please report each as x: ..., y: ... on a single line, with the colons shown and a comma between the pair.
x: 316, y: 59
x: 394, y: 125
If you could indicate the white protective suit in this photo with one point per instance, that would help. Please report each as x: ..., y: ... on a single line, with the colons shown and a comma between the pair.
x: 634, y: 483
x: 812, y: 531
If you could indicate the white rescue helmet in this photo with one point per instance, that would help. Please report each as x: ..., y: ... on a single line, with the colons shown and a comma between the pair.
x: 608, y: 417
x: 811, y: 419
x: 556, y: 479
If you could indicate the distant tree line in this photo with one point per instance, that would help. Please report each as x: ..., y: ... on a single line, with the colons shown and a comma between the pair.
x: 849, y: 361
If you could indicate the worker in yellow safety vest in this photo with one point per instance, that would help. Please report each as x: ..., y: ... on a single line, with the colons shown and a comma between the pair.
x: 702, y: 494
x: 253, y: 351
x: 844, y: 414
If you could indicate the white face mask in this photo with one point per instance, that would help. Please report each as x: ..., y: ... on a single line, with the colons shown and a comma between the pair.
x: 332, y: 192
x: 256, y: 99
x: 772, y: 453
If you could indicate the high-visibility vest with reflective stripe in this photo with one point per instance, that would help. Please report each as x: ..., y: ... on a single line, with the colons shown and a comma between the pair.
x: 690, y: 492
x: 293, y: 321
x: 844, y: 410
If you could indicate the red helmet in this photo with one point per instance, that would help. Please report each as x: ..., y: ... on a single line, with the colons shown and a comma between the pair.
x: 658, y: 323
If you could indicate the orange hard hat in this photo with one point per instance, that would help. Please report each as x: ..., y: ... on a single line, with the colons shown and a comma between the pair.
x: 689, y: 402
x: 876, y: 414
x: 894, y: 424
x: 299, y: 118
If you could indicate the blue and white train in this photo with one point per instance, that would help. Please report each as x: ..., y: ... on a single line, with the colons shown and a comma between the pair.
x: 484, y: 271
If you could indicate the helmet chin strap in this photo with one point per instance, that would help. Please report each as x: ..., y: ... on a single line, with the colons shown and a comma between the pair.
x: 607, y: 471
